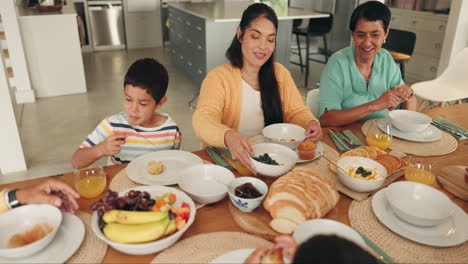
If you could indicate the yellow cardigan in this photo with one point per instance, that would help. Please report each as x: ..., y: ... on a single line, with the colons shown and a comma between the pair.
x: 3, y: 202
x: 220, y: 102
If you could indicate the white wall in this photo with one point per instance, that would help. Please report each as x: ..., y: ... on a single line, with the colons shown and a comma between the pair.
x: 456, y: 34
x: 11, y: 151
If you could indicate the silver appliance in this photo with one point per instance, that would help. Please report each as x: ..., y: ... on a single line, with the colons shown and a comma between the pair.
x: 107, y: 25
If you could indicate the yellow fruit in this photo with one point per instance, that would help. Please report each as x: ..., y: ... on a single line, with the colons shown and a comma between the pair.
x: 141, y: 233
x: 171, y: 228
x: 132, y: 217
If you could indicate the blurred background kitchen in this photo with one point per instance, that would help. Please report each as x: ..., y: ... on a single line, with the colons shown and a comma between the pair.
x: 63, y: 61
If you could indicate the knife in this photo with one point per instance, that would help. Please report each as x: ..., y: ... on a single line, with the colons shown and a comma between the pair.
x: 382, y: 256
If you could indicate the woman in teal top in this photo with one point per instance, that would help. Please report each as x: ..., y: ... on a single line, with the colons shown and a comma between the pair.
x: 362, y: 81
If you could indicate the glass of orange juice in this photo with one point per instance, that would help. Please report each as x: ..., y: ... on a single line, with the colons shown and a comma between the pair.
x: 379, y: 138
x: 90, y: 183
x: 422, y: 172
x: 241, y: 169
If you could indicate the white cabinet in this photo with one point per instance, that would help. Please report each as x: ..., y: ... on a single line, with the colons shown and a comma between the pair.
x: 430, y: 31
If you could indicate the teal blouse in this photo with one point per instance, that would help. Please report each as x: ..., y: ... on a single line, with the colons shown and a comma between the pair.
x: 342, y: 86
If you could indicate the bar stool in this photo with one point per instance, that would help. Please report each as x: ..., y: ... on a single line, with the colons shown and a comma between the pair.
x: 318, y: 27
x: 400, y: 44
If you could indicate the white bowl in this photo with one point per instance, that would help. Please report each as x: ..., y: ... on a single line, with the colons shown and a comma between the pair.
x: 206, y: 183
x: 315, y: 227
x: 409, y: 121
x: 418, y: 204
x: 359, y: 185
x: 285, y: 157
x: 154, y: 246
x: 243, y: 204
x: 278, y: 133
x: 23, y: 219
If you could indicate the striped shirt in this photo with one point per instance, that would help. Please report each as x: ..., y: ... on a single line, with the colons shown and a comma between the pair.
x: 139, y: 140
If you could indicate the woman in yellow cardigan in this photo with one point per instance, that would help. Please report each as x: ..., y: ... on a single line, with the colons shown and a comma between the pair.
x: 238, y: 99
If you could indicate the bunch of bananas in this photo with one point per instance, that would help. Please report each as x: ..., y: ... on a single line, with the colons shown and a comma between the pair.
x: 137, y: 226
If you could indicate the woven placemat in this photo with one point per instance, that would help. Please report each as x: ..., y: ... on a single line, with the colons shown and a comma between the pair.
x: 399, y: 248
x: 323, y: 166
x: 122, y: 182
x: 92, y: 249
x: 206, y: 247
x: 447, y: 144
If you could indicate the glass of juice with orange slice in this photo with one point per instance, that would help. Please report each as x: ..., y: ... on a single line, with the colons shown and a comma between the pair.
x: 90, y: 183
x: 379, y: 138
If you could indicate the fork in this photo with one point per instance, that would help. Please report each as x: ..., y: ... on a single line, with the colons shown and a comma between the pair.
x: 345, y: 138
x: 451, y: 127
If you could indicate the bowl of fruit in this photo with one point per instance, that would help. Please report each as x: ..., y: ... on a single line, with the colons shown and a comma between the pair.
x: 142, y: 220
x: 288, y: 135
x: 273, y: 160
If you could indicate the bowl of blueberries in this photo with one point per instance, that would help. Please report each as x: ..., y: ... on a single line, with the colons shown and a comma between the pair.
x: 273, y: 160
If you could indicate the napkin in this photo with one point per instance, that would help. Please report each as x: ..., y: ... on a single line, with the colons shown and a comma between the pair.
x: 457, y: 133
x: 217, y: 158
x: 340, y: 144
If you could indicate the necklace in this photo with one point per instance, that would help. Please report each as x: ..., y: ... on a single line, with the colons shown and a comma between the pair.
x: 249, y: 81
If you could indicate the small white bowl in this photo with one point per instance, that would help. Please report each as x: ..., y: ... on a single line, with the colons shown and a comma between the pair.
x: 154, y: 246
x: 409, y: 121
x: 23, y: 219
x: 315, y: 227
x: 359, y: 185
x: 285, y: 157
x: 418, y: 204
x: 243, y: 204
x: 206, y: 183
x: 279, y: 133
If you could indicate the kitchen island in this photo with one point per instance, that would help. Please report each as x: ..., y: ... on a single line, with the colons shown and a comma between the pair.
x: 200, y: 33
x: 53, y: 53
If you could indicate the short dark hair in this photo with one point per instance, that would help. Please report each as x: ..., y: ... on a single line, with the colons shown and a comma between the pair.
x: 271, y: 101
x: 331, y: 249
x: 371, y: 11
x: 150, y: 75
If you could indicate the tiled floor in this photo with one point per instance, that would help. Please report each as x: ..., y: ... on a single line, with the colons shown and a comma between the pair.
x: 52, y: 128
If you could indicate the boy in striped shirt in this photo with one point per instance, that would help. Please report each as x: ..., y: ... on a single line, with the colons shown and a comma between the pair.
x: 139, y: 129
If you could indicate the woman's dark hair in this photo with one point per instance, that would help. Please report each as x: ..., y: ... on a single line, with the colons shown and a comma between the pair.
x: 331, y: 249
x: 371, y: 11
x: 271, y: 101
x: 150, y: 75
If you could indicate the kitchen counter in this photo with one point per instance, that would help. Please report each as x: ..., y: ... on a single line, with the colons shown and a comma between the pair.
x: 220, y: 11
x: 32, y: 11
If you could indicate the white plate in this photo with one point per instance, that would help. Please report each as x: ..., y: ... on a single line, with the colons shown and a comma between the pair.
x: 174, y: 162
x: 431, y: 133
x: 67, y: 240
x: 318, y: 153
x: 235, y: 256
x: 452, y: 232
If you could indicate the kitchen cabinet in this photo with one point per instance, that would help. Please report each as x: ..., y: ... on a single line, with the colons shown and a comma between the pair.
x: 430, y: 31
x: 142, y: 23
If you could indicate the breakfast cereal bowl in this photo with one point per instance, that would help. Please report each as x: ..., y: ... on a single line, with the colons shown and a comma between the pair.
x: 25, y: 222
x: 247, y: 204
x: 348, y: 175
x: 205, y: 183
x: 284, y: 157
x: 152, y: 246
x: 409, y: 121
x: 418, y: 204
x: 288, y: 135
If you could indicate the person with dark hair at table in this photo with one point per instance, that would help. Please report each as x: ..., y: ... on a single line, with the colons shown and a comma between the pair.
x: 363, y: 81
x: 237, y: 100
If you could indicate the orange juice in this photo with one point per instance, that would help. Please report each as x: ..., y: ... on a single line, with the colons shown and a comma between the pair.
x: 419, y: 175
x: 379, y: 140
x: 241, y: 169
x: 91, y: 187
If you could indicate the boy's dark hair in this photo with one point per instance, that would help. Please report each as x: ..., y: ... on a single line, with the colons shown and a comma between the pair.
x: 331, y: 249
x: 150, y: 75
x: 271, y: 101
x: 371, y: 11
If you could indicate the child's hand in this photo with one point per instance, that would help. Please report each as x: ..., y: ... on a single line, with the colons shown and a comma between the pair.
x: 288, y: 244
x: 111, y: 145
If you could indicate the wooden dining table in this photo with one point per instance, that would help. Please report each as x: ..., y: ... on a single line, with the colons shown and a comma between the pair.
x: 216, y: 217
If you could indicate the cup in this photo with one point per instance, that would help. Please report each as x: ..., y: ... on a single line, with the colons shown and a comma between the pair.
x: 378, y: 138
x: 90, y: 183
x: 241, y: 169
x: 421, y: 171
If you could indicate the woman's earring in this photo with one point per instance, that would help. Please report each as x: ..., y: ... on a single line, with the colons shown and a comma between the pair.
x: 385, y: 40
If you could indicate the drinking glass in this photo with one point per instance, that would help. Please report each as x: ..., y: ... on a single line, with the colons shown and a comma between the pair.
x: 90, y: 183
x: 421, y: 171
x: 378, y: 138
x: 241, y: 169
